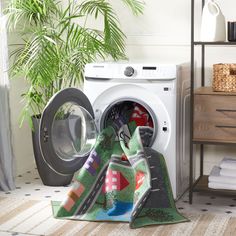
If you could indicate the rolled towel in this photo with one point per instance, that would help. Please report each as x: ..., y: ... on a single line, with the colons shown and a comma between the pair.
x: 215, y: 185
x: 228, y: 163
x: 228, y: 172
x: 216, y: 177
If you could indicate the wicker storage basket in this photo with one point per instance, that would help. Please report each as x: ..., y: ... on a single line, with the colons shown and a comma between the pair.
x: 224, y: 77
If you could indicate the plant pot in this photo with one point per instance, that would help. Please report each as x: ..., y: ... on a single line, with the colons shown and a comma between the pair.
x: 48, y: 176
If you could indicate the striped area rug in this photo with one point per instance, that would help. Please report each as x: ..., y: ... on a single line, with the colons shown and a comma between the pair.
x: 32, y: 217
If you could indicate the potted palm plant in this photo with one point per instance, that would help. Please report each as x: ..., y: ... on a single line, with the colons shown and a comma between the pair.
x: 57, y: 42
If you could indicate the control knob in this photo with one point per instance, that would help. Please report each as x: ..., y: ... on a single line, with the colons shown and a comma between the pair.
x: 129, y: 71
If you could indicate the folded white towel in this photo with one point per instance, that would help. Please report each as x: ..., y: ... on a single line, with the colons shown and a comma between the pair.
x: 228, y: 163
x: 228, y: 172
x: 215, y: 185
x: 216, y: 177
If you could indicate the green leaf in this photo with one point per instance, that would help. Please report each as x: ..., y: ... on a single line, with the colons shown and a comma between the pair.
x: 136, y: 6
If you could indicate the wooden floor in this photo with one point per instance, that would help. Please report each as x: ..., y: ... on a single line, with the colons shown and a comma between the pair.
x: 33, y: 217
x: 27, y: 211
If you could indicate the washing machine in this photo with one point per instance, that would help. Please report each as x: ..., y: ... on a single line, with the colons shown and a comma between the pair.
x: 161, y: 90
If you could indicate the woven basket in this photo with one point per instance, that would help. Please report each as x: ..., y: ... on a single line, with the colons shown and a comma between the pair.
x: 224, y: 78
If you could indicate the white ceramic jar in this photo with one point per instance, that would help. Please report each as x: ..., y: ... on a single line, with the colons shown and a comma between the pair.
x: 213, y: 27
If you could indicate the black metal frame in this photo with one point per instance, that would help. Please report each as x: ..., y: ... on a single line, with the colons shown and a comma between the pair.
x: 213, y: 43
x: 191, y: 107
x: 202, y: 44
x: 192, y: 182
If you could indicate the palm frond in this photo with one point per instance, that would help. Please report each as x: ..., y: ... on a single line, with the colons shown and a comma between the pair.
x: 29, y: 12
x: 136, y: 6
x: 113, y: 36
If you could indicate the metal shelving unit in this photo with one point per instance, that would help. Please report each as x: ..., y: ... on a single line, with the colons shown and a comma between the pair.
x: 201, y: 184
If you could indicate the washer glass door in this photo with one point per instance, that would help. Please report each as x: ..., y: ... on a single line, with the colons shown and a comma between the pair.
x: 67, y: 131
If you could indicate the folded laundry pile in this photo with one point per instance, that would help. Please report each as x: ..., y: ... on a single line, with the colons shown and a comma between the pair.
x: 224, y: 176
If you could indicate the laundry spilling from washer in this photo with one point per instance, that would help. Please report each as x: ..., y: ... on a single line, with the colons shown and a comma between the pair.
x: 109, y: 187
x: 126, y: 112
x: 126, y: 116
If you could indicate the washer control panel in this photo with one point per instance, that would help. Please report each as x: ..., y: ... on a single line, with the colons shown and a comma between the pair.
x: 135, y: 71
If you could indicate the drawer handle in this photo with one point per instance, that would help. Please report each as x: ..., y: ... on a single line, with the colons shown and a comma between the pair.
x: 226, y: 126
x: 225, y: 110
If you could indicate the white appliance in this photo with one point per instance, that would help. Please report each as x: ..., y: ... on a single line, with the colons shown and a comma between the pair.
x: 164, y: 92
x: 71, y: 120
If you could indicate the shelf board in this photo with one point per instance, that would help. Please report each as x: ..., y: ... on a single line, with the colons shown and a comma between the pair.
x: 213, y: 142
x: 208, y: 91
x: 214, y: 43
x: 202, y: 186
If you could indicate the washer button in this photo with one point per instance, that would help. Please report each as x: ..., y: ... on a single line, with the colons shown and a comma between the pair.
x: 129, y: 71
x: 164, y: 129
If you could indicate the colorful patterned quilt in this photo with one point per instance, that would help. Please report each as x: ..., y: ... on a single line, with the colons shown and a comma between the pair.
x: 122, y: 181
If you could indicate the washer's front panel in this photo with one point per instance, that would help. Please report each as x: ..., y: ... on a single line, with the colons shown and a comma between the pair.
x: 164, y: 116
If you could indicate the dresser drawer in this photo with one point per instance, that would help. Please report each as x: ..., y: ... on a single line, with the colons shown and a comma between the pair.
x: 215, y: 117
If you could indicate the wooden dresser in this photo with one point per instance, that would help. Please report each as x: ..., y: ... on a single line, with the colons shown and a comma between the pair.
x: 214, y: 116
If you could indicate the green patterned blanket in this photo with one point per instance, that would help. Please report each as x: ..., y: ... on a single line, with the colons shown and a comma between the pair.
x: 121, y: 182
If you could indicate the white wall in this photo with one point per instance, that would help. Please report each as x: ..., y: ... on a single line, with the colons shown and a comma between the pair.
x: 22, y: 144
x: 161, y: 34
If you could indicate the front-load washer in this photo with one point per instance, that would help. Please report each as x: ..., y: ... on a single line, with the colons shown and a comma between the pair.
x: 161, y: 90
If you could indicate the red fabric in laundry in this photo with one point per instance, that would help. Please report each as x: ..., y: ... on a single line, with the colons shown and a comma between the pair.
x: 140, y: 116
x: 124, y: 157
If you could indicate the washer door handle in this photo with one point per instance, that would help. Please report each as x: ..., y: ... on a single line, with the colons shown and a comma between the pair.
x: 45, y: 134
